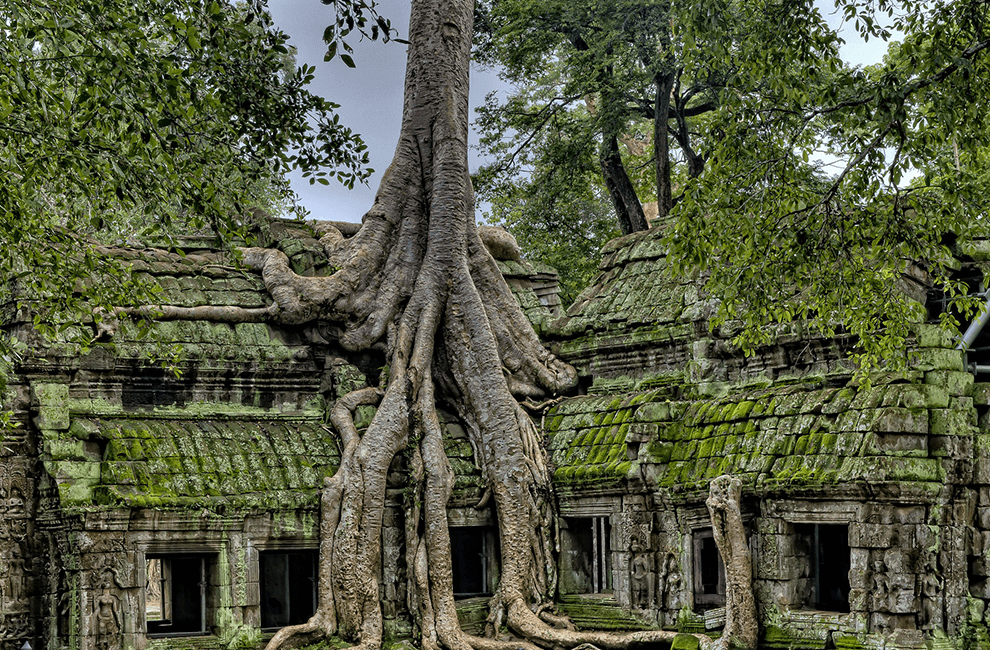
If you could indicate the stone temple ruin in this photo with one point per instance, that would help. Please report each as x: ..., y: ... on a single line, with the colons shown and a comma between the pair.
x: 140, y: 509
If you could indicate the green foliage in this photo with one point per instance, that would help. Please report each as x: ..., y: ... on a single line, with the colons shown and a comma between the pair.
x: 822, y: 183
x: 783, y: 239
x: 11, y: 351
x: 123, y: 120
x: 558, y: 212
x: 585, y: 72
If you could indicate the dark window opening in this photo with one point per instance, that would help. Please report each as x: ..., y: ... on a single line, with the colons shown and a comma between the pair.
x: 709, y: 571
x: 288, y: 587
x: 175, y: 595
x: 586, y: 555
x: 827, y: 547
x: 473, y: 555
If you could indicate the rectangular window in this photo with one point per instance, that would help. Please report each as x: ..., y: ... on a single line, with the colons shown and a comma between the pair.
x: 288, y: 587
x: 709, y: 571
x: 826, y: 547
x: 586, y: 555
x: 474, y: 558
x: 175, y: 595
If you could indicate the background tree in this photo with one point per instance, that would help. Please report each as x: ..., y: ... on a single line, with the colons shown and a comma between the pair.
x: 831, y: 245
x: 815, y: 182
x: 634, y: 70
x: 559, y: 211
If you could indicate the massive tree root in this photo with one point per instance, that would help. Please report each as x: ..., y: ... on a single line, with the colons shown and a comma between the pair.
x: 724, y: 503
x: 417, y: 281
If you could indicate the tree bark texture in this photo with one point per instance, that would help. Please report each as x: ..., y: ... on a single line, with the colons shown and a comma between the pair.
x: 741, y: 626
x: 417, y: 280
x: 661, y: 147
x: 620, y: 188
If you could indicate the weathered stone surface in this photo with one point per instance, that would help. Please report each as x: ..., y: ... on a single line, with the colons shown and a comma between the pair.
x: 118, y: 461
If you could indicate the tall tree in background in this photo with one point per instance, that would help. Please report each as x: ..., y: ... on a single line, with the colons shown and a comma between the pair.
x: 639, y: 77
x: 829, y: 243
x: 807, y: 173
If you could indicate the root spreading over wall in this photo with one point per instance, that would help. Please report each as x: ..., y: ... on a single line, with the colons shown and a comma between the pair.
x: 417, y: 282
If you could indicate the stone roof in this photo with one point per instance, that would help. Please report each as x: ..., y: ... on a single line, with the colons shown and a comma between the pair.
x: 535, y: 288
x: 633, y: 290
x: 244, y: 458
x: 588, y: 447
x: 637, y: 327
x: 779, y: 438
x: 191, y: 272
x: 673, y: 404
x: 174, y: 462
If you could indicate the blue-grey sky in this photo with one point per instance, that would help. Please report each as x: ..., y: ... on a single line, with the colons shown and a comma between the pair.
x: 370, y: 95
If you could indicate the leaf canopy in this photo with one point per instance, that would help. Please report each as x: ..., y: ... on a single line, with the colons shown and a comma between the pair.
x: 122, y: 120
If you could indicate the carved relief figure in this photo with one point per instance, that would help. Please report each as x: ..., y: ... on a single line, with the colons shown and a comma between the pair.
x: 880, y: 591
x: 931, y: 588
x: 669, y: 582
x: 639, y: 571
x: 106, y: 610
x: 12, y: 592
x: 15, y: 502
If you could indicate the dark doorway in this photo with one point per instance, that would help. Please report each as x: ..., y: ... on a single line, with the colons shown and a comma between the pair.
x: 709, y: 571
x: 473, y: 557
x: 586, y: 555
x: 175, y: 595
x: 828, y: 561
x: 288, y: 587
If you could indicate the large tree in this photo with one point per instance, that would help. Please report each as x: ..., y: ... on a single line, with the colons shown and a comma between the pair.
x: 417, y: 282
x: 636, y: 79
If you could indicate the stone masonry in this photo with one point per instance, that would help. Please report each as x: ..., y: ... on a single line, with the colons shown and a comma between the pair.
x: 127, y: 482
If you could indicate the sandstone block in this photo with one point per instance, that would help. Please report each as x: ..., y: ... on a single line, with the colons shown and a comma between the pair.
x: 952, y: 422
x: 954, y: 382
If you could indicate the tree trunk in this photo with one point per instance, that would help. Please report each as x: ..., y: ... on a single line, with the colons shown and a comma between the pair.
x: 417, y: 280
x: 661, y: 146
x: 696, y: 162
x: 620, y: 188
x: 741, y: 625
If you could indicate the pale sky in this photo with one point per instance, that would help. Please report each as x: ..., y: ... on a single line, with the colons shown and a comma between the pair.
x: 370, y: 95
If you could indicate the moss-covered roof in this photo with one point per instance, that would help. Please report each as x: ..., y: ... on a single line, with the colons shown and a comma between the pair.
x: 270, y: 463
x: 535, y: 287
x: 794, y: 436
x: 192, y: 273
x: 635, y: 321
x: 634, y: 289
x: 588, y: 445
x: 640, y: 325
x: 173, y: 457
x: 781, y: 437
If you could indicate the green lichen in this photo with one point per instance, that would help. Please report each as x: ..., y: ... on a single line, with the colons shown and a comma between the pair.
x: 600, y: 613
x: 779, y: 638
